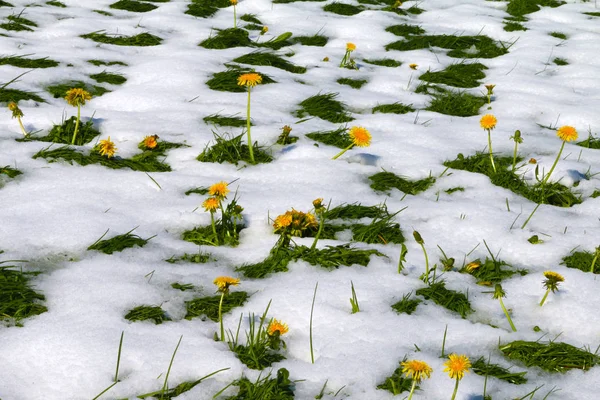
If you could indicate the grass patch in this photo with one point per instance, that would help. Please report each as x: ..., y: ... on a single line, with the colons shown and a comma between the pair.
x: 405, y: 30
x: 99, y: 63
x: 338, y: 138
x: 206, y: 8
x: 519, y: 8
x: 208, y: 307
x: 593, y: 14
x: 490, y: 271
x: 232, y: 151
x: 197, y: 258
x: 483, y: 368
x: 449, y: 299
x: 314, y: 40
x: 251, y: 18
x: 343, y: 8
x: 182, y: 286
x: 394, y: 108
x: 142, y: 39
x: 18, y: 300
x: 22, y: 62
x: 226, y: 81
x: 558, y: 35
x: 13, y: 26
x: 56, y: 4
x: 269, y: 59
x: 356, y: 211
x: 459, y: 46
x: 201, y: 190
x: 60, y: 89
x: 512, y: 26
x: 560, y: 61
x: 203, y: 235
x: 353, y: 83
x: 118, y: 243
x: 407, y: 305
x: 581, y: 260
x: 20, y: 20
x: 551, y: 357
x: 106, y: 77
x: 133, y: 6
x: 458, y: 75
x: 553, y: 193
x: 102, y: 12
x: 64, y: 133
x: 265, y: 388
x: 396, y: 383
x: 5, y: 4
x: 16, y: 95
x: 384, y: 62
x: 292, y: 1
x: 325, y: 107
x: 591, y: 142
x: 231, y: 120
x: 385, y: 181
x: 380, y: 230
x: 147, y: 313
x: 460, y: 104
x: 227, y: 38
x: 10, y: 172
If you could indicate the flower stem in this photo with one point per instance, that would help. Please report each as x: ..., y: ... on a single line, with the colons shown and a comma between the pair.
x: 490, y: 146
x: 344, y: 59
x: 76, y: 123
x: 22, y: 127
x: 515, y: 156
x: 342, y: 152
x: 544, y: 298
x: 248, y: 127
x: 426, y: 276
x: 312, y: 308
x: 554, y: 165
x: 314, y: 244
x: 412, y: 389
x: 221, y: 317
x: 234, y: 17
x: 507, y: 316
x: 530, y: 215
x: 594, y: 263
x: 214, y: 228
x: 455, y: 389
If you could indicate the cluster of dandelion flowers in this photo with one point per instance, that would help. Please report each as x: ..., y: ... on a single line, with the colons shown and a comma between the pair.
x: 567, y: 133
x: 224, y: 282
x: 211, y: 204
x: 488, y: 122
x: 107, y: 148
x: 277, y: 328
x: 219, y: 190
x: 77, y: 97
x: 150, y: 142
x: 249, y: 80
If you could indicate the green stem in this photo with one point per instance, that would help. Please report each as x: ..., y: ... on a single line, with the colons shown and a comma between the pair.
x: 426, y: 263
x: 507, y: 316
x: 314, y: 244
x: 22, y: 127
x: 530, y: 215
x: 234, y: 17
x: 221, y: 317
x: 515, y: 157
x: 412, y: 389
x: 554, y: 165
x: 248, y: 127
x: 76, y: 123
x: 455, y: 389
x: 490, y: 146
x: 344, y: 59
x: 593, y: 263
x: 312, y: 308
x: 342, y: 152
x: 214, y: 228
x: 544, y: 298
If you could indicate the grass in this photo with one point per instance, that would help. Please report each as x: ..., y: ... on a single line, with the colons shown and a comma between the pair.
x: 232, y: 150
x: 343, y: 8
x: 483, y: 368
x: 22, y: 62
x: 59, y: 90
x: 18, y: 299
x: 591, y: 142
x: 251, y: 18
x: 458, y: 75
x: 16, y: 95
x: 394, y: 108
x: 13, y: 26
x: 265, y: 388
x: 380, y: 230
x: 292, y: 1
x: 356, y: 211
x: 206, y: 8
x: 10, y: 172
x: 226, y: 81
x: 519, y: 8
x: 457, y: 103
x: 203, y: 235
x: 491, y: 271
x: 459, y: 46
x: 182, y: 286
x: 56, y: 4
x: 197, y: 258
x: 314, y: 40
x: 383, y: 62
x: 102, y: 12
x: 231, y: 120
x: 553, y: 193
x: 385, y: 181
x: 269, y: 59
x: 353, y: 83
x: 551, y: 357
x: 396, y: 383
x: 325, y: 107
x: 147, y: 313
x: 208, y: 307
x: 142, y: 39
x: 201, y: 190
x: 560, y: 61
x: 99, y: 63
x: 5, y: 4
x: 106, y: 77
x: 512, y: 26
x: 133, y: 6
x: 118, y: 243
x: 593, y: 14
x: 407, y: 305
x: 169, y: 394
x: 63, y: 133
x: 20, y: 20
x: 338, y: 138
x: 558, y: 35
x: 449, y: 299
x: 405, y: 30
x: 581, y: 260
x: 227, y: 38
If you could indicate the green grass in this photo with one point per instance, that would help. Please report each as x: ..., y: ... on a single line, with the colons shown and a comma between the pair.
x: 560, y: 61
x: 18, y: 299
x: 592, y: 14
x: 56, y: 4
x: 519, y: 8
x: 197, y: 258
x: 459, y: 46
x: 385, y: 181
x: 492, y: 271
x: 554, y: 193
x: 99, y: 63
x: 5, y: 4
x: 356, y: 211
x: 227, y: 38
x: 147, y: 313
x: 203, y: 235
x: 338, y: 138
x: 595, y: 194
x: 226, y: 81
x: 118, y: 243
x: 13, y: 26
x: 407, y: 305
x: 325, y: 107
x: 581, y: 260
x: 551, y: 357
x: 449, y: 299
x: 591, y: 142
x: 405, y: 30
x: 20, y: 20
x: 381, y: 231
x: 265, y: 388
x: 206, y: 8
x: 182, y: 286
x: 102, y: 12
x: 292, y: 1
x: 63, y: 133
x: 459, y: 75
x: 483, y: 368
x: 232, y: 150
x: 16, y: 95
x: 142, y: 39
x: 22, y: 62
x: 201, y: 190
x: 353, y: 83
x: 394, y: 108
x: 133, y: 6
x: 106, y: 77
x: 59, y: 90
x: 343, y: 8
x: 414, y: 10
x: 221, y: 120
x: 512, y: 26
x: 10, y: 172
x: 396, y: 383
x: 314, y: 40
x: 558, y: 35
x: 251, y: 18
x: 384, y: 62
x: 208, y: 307
x: 269, y: 59
x: 253, y: 27
x: 457, y: 103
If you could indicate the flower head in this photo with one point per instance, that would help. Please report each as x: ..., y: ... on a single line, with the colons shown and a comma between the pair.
x: 472, y: 266
x: 295, y: 223
x: 223, y: 283
x: 517, y: 137
x: 77, y: 97
x: 211, y: 204
x: 552, y: 280
x: 490, y: 89
x: 360, y: 136
x: 150, y: 142
x: 457, y: 365
x: 415, y: 369
x: 498, y: 292
x: 264, y: 30
x: 16, y: 111
x: 107, y: 148
x: 219, y: 190
x: 277, y: 328
x: 532, y: 161
x: 318, y: 205
x: 233, y: 2
x: 350, y: 46
x: 249, y: 80
x: 488, y: 121
x: 282, y: 221
x: 413, y: 66
x: 567, y: 133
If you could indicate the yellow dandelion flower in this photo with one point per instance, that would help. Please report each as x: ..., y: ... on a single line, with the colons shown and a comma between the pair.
x: 532, y: 161
x: 150, y: 142
x: 16, y: 111
x: 219, y: 190
x: 567, y: 133
x: 360, y: 136
x: 457, y: 365
x: 472, y: 266
x: 283, y: 221
x: 211, y: 204
x: 77, y: 97
x: 413, y: 66
x: 350, y: 46
x: 277, y: 327
x: 488, y: 121
x: 552, y: 280
x: 107, y: 148
x: 233, y: 2
x: 416, y: 370
x: 264, y: 30
x: 250, y: 79
x: 223, y: 283
x: 326, y: 59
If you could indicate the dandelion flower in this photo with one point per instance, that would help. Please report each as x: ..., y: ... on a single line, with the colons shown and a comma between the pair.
x: 488, y: 121
x: 552, y: 280
x: 490, y: 89
x: 150, y: 142
x: 77, y: 97
x: 107, y: 148
x: 16, y: 111
x: 250, y: 80
x: 360, y: 136
x: 413, y: 66
x: 457, y: 365
x: 219, y: 190
x: 472, y: 266
x: 416, y: 370
x: 277, y: 328
x: 264, y: 30
x: 350, y: 46
x: 283, y: 221
x: 233, y: 2
x: 211, y: 204
x: 567, y: 133
x: 223, y: 283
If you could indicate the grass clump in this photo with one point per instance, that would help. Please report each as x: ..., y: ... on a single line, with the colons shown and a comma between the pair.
x: 458, y: 75
x: 396, y: 383
x: 106, y: 77
x: 292, y: 1
x: 380, y: 230
x: 145, y: 313
x: 325, y: 107
x: 18, y: 300
x: 385, y: 181
x: 582, y: 260
x: 182, y: 286
x: 338, y: 138
x: 483, y: 368
x: 551, y: 357
x: 251, y: 18
x: 405, y: 30
x: 231, y: 120
x: 13, y: 26
x: 63, y: 133
x: 208, y: 307
x: 118, y: 243
x: 356, y: 211
x: 353, y: 83
x: 279, y: 388
x: 226, y: 81
x: 394, y: 108
x: 269, y: 59
x: 519, y: 8
x: 558, y: 35
x: 512, y: 26
x: 560, y: 61
x: 197, y: 258
x: 593, y: 14
x: 314, y: 40
x: 201, y: 190
x: 133, y: 6
x: 206, y: 8
x: 102, y: 12
x: 7, y: 95
x: 60, y: 89
x: 491, y: 271
x: 227, y: 38
x: 460, y: 104
x: 142, y: 39
x: 384, y: 62
x: 232, y: 151
x: 449, y: 299
x: 20, y: 20
x: 22, y: 62
x: 203, y: 235
x: 343, y: 8
x: 479, y: 46
x: 407, y: 305
x: 10, y: 172
x: 5, y: 4
x: 591, y: 142
x: 99, y: 63
x: 56, y: 4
